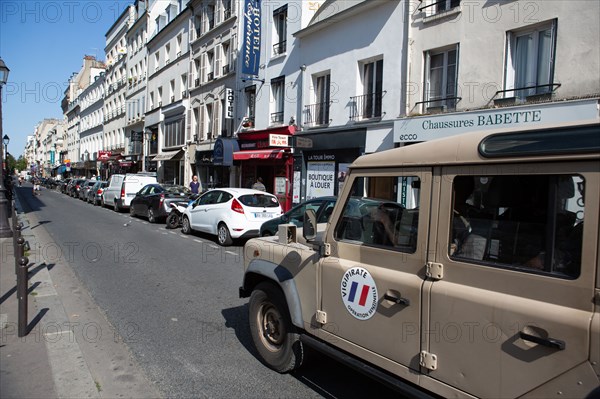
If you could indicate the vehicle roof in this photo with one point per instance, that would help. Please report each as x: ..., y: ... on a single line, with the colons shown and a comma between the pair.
x: 458, y: 149
x: 240, y: 191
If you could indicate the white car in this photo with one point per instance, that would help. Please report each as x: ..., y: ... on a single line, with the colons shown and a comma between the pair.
x: 230, y: 213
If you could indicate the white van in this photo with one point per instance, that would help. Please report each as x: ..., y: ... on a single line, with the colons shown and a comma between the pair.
x: 122, y: 188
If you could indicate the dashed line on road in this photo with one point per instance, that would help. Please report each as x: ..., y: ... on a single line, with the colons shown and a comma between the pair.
x: 231, y: 253
x: 198, y: 241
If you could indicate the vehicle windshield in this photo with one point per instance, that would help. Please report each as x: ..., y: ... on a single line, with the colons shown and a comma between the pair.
x: 259, y: 200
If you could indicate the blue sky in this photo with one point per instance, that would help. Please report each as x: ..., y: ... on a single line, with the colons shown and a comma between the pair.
x: 43, y: 43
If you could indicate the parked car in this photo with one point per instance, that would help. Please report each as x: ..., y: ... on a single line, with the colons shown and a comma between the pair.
x: 323, y: 207
x: 85, y: 188
x: 94, y: 195
x: 122, y: 189
x: 153, y: 200
x: 230, y: 213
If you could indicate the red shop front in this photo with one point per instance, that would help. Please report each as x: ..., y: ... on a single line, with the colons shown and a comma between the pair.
x: 268, y: 154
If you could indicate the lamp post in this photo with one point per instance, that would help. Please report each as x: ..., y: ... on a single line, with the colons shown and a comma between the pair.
x: 5, y: 230
x: 86, y: 156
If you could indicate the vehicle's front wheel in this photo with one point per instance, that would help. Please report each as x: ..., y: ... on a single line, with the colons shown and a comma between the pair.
x: 186, y: 228
x: 172, y: 220
x: 151, y: 216
x: 223, y: 236
x: 131, y: 211
x: 274, y: 336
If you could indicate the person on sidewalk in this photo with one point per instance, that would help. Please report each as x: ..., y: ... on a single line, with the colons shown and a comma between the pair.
x: 259, y: 185
x: 195, y: 185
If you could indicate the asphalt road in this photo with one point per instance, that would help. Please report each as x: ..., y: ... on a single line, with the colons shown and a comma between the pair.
x: 174, y: 300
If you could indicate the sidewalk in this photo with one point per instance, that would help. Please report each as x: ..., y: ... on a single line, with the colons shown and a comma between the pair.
x: 71, y: 351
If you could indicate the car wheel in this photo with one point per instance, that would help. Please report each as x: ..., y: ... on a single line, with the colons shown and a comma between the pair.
x: 223, y: 236
x: 151, y: 217
x: 117, y: 208
x: 131, y: 211
x: 186, y: 228
x: 274, y: 336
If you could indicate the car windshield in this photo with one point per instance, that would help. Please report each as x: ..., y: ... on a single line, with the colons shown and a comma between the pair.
x: 259, y: 200
x: 177, y: 190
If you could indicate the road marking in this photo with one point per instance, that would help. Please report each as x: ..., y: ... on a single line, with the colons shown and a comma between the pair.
x: 231, y: 253
x: 184, y: 236
x: 199, y: 241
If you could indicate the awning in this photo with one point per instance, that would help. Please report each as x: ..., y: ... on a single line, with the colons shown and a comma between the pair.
x: 223, y: 151
x: 165, y: 156
x: 258, y: 154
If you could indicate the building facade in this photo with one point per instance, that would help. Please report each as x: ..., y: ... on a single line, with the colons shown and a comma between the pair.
x: 212, y: 90
x: 167, y: 100
x: 115, y: 86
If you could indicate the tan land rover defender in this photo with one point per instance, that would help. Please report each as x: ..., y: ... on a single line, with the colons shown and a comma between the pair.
x: 463, y: 267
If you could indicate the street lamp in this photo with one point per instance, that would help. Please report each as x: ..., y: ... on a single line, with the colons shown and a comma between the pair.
x: 5, y: 230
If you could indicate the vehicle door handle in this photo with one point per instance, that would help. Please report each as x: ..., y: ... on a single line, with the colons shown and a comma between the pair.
x: 397, y: 299
x: 549, y: 342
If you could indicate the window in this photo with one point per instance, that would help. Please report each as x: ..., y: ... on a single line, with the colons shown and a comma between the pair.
x: 174, y: 133
x: 369, y: 104
x: 530, y: 61
x: 178, y: 45
x: 277, y: 99
x: 156, y: 61
x: 226, y: 56
x: 172, y: 90
x: 318, y: 113
x: 382, y: 212
x: 441, y: 71
x: 280, y: 30
x: 209, y: 17
x: 444, y: 5
x: 167, y: 53
x: 531, y: 223
x: 208, y: 122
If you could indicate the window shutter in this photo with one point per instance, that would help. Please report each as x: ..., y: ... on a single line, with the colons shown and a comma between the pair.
x: 218, y: 51
x: 203, y: 68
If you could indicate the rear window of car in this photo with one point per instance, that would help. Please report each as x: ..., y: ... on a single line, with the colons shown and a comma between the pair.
x: 259, y: 200
x: 177, y: 190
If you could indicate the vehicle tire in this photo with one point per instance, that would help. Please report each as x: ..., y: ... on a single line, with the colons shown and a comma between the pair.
x: 186, y: 228
x: 117, y: 208
x: 223, y: 236
x: 151, y: 216
x: 172, y: 221
x: 273, y: 334
x: 131, y: 211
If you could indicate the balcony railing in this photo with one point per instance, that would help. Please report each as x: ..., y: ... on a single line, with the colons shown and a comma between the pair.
x: 210, y: 76
x: 440, y: 104
x: 317, y: 114
x: 367, y: 106
x: 279, y: 48
x: 196, y: 82
x: 277, y: 117
x: 226, y: 69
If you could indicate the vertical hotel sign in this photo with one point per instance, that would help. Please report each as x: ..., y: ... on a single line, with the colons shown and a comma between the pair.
x: 251, y: 48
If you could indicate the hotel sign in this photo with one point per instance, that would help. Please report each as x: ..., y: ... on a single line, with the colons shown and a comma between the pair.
x: 251, y: 45
x: 523, y: 117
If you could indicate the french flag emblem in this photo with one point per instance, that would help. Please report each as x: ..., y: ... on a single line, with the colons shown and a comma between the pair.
x: 364, y: 292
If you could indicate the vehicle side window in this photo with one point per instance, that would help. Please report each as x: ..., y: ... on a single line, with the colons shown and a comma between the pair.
x: 383, y: 212
x: 530, y: 223
x: 144, y: 190
x: 297, y: 214
x: 209, y: 198
x: 224, y: 197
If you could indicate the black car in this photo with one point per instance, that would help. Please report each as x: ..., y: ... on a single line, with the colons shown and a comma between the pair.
x: 153, y: 200
x: 323, y: 207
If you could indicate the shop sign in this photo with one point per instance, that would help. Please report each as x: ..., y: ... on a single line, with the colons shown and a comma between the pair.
x: 104, y: 155
x: 321, y: 157
x: 523, y: 117
x: 229, y: 98
x: 296, y: 187
x: 280, y: 185
x: 278, y: 140
x: 320, y: 179
x: 303, y: 142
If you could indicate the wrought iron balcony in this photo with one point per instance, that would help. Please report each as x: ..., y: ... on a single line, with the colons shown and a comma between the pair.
x: 277, y: 117
x: 367, y: 106
x: 317, y: 114
x: 280, y: 48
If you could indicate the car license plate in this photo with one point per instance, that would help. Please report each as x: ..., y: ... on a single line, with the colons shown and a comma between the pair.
x: 262, y: 215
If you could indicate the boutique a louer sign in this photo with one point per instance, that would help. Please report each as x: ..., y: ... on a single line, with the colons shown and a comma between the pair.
x: 251, y: 46
x: 524, y: 117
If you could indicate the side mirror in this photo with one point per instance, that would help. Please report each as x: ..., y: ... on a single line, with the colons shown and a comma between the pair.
x: 309, y: 230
